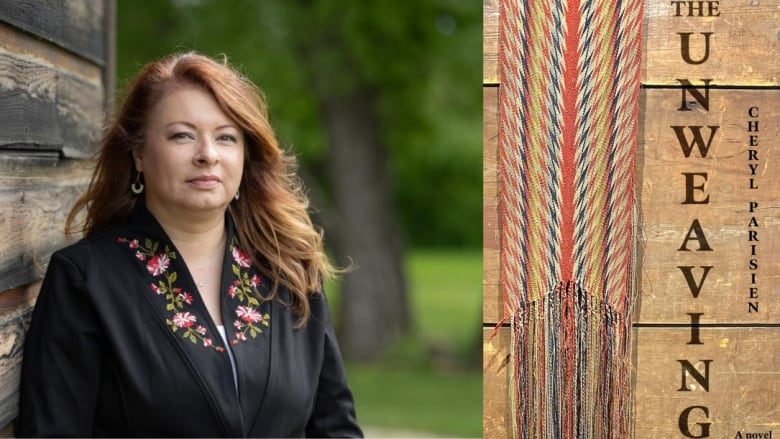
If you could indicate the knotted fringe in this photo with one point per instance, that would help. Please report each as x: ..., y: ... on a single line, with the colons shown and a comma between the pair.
x: 568, y: 128
x: 573, y: 375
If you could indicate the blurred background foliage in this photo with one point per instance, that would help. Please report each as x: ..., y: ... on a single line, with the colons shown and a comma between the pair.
x: 416, y: 66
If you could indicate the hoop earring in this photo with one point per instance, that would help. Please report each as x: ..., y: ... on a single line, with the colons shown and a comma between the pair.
x: 137, y: 187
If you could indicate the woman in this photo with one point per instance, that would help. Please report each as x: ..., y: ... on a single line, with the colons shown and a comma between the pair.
x: 192, y: 307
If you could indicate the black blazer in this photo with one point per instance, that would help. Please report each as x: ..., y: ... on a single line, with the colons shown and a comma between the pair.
x: 121, y: 344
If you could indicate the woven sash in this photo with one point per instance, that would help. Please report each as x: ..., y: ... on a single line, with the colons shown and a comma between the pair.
x: 569, y: 104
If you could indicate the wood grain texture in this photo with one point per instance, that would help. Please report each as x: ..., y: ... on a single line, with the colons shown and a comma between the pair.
x: 108, y: 72
x: 724, y: 295
x: 746, y: 35
x: 76, y: 25
x: 80, y: 107
x: 490, y: 17
x: 744, y: 381
x: 497, y: 420
x: 35, y: 201
x: 492, y: 307
x: 21, y: 43
x: 46, y: 108
x: 28, y: 103
x: 15, y: 312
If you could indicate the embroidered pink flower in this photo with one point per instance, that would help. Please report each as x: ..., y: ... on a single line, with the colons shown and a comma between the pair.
x: 240, y: 257
x: 184, y: 319
x: 243, y: 289
x: 158, y: 264
x: 232, y: 291
x: 134, y: 244
x: 248, y: 314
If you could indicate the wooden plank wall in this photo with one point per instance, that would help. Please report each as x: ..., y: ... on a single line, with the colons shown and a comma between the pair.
x: 734, y: 348
x: 56, y: 80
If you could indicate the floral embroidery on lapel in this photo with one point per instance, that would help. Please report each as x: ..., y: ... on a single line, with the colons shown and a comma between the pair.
x: 157, y: 265
x: 244, y: 289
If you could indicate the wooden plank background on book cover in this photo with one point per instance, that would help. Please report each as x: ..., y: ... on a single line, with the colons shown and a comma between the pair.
x: 706, y: 351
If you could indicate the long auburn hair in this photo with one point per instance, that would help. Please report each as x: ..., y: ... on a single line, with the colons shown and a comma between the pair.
x: 271, y: 218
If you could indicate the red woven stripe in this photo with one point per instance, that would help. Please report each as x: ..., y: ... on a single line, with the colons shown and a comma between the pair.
x: 570, y: 89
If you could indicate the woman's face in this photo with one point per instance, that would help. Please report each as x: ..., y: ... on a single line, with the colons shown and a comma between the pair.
x: 193, y: 156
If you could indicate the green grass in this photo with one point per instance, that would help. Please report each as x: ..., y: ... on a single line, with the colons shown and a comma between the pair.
x: 418, y: 399
x: 428, y: 383
x: 446, y: 294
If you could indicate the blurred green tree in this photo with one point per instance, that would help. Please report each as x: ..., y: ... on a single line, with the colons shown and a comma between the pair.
x: 382, y: 100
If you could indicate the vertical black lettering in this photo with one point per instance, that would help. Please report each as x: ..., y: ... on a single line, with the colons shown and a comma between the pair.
x: 695, y: 288
x: 690, y: 187
x: 698, y: 140
x: 696, y: 230
x: 685, y: 47
x: 695, y: 316
x: 684, y: 425
x: 702, y: 379
x: 703, y: 99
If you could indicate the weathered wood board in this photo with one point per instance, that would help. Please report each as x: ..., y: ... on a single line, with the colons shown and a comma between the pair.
x: 47, y: 106
x: 749, y: 27
x: 35, y: 201
x: 724, y: 179
x: 742, y: 382
x: 490, y: 18
x: 744, y: 46
x: 75, y: 25
x: 491, y: 304
x: 496, y: 369
x: 15, y: 311
x: 56, y: 65
x: 730, y: 318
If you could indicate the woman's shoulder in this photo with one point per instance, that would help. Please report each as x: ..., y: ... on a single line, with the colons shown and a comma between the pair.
x: 90, y: 248
x: 319, y: 308
x: 317, y: 303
